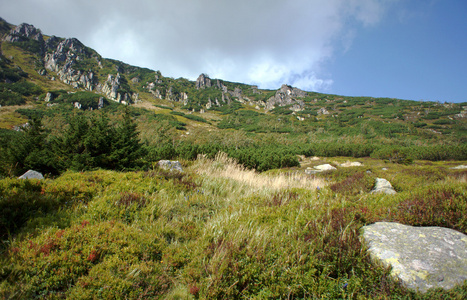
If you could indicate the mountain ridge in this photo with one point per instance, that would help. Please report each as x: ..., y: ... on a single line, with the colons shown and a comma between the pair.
x: 56, y: 63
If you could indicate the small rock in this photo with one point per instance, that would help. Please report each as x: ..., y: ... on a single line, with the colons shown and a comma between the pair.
x: 325, y: 167
x: 383, y: 186
x: 170, y: 165
x: 48, y: 97
x: 351, y: 164
x: 31, y: 174
x: 460, y: 167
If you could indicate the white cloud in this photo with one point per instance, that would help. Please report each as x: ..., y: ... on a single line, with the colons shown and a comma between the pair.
x: 264, y: 42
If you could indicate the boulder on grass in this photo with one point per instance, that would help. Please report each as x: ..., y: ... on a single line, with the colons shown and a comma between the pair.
x: 31, y: 174
x: 421, y: 257
x: 383, y: 186
x: 325, y: 167
x: 170, y: 165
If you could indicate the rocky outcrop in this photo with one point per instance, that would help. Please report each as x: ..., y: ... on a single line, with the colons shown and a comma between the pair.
x: 111, y: 88
x: 48, y: 97
x: 383, y: 186
x: 323, y: 111
x: 65, y: 56
x: 24, y: 32
x: 421, y: 257
x: 62, y: 60
x: 31, y: 174
x: 287, y: 95
x: 203, y: 81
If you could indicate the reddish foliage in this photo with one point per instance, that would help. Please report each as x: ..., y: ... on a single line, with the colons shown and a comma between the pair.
x: 49, y: 246
x: 129, y: 198
x: 60, y: 233
x: 15, y: 250
x: 280, y: 198
x: 93, y: 256
x: 84, y: 223
x: 194, y: 290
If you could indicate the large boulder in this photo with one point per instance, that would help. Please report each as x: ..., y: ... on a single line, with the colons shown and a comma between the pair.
x: 170, y: 165
x: 383, y: 186
x: 31, y: 174
x: 421, y: 257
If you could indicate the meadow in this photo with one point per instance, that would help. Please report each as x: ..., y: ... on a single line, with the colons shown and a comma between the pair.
x: 218, y: 230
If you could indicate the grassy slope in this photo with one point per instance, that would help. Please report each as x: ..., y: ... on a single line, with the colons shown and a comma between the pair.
x: 218, y: 231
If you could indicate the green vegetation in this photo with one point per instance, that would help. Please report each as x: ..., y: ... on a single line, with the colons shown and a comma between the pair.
x: 207, y: 233
x: 243, y: 220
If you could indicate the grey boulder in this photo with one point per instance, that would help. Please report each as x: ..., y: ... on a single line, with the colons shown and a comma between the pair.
x: 31, y: 174
x: 383, y: 186
x: 170, y: 165
x: 421, y: 257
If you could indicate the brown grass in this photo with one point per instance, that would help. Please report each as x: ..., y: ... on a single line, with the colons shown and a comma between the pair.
x: 226, y: 167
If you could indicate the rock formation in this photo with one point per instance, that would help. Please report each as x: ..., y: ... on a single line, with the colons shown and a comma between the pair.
x: 64, y: 56
x: 287, y: 95
x: 23, y: 32
x: 203, y: 81
x: 421, y: 257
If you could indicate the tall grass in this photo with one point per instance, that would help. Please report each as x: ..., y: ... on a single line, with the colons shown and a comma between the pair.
x: 222, y: 166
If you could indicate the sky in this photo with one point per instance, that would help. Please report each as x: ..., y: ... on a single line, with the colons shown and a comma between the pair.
x: 406, y: 49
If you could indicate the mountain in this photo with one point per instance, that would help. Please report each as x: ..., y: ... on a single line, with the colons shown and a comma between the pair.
x: 52, y: 76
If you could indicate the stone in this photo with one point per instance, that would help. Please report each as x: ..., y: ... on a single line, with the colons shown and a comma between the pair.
x: 48, y: 97
x: 319, y: 169
x: 383, y: 186
x: 460, y: 167
x: 325, y: 167
x: 421, y: 257
x: 31, y: 174
x: 351, y: 164
x: 323, y: 111
x: 170, y: 165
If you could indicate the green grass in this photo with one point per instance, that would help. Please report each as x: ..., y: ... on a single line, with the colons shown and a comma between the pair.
x: 206, y: 233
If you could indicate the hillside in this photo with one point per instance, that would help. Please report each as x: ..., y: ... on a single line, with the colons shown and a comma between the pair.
x: 251, y: 215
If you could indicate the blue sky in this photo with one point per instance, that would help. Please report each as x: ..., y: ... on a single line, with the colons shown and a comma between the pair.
x: 418, y: 52
x: 407, y: 49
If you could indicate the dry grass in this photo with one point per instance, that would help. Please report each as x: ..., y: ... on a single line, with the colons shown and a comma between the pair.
x: 225, y: 167
x: 10, y: 118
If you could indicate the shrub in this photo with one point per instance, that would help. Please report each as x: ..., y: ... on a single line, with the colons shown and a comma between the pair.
x: 80, y: 260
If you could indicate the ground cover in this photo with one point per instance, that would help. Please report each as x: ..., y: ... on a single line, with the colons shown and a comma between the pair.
x: 217, y: 230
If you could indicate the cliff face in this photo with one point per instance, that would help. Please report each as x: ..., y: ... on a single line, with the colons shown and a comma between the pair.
x: 72, y: 62
x: 287, y: 95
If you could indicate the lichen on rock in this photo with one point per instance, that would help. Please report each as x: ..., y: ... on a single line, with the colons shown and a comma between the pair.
x: 421, y: 257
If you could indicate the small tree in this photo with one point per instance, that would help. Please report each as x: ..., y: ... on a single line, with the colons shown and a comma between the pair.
x: 127, y: 151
